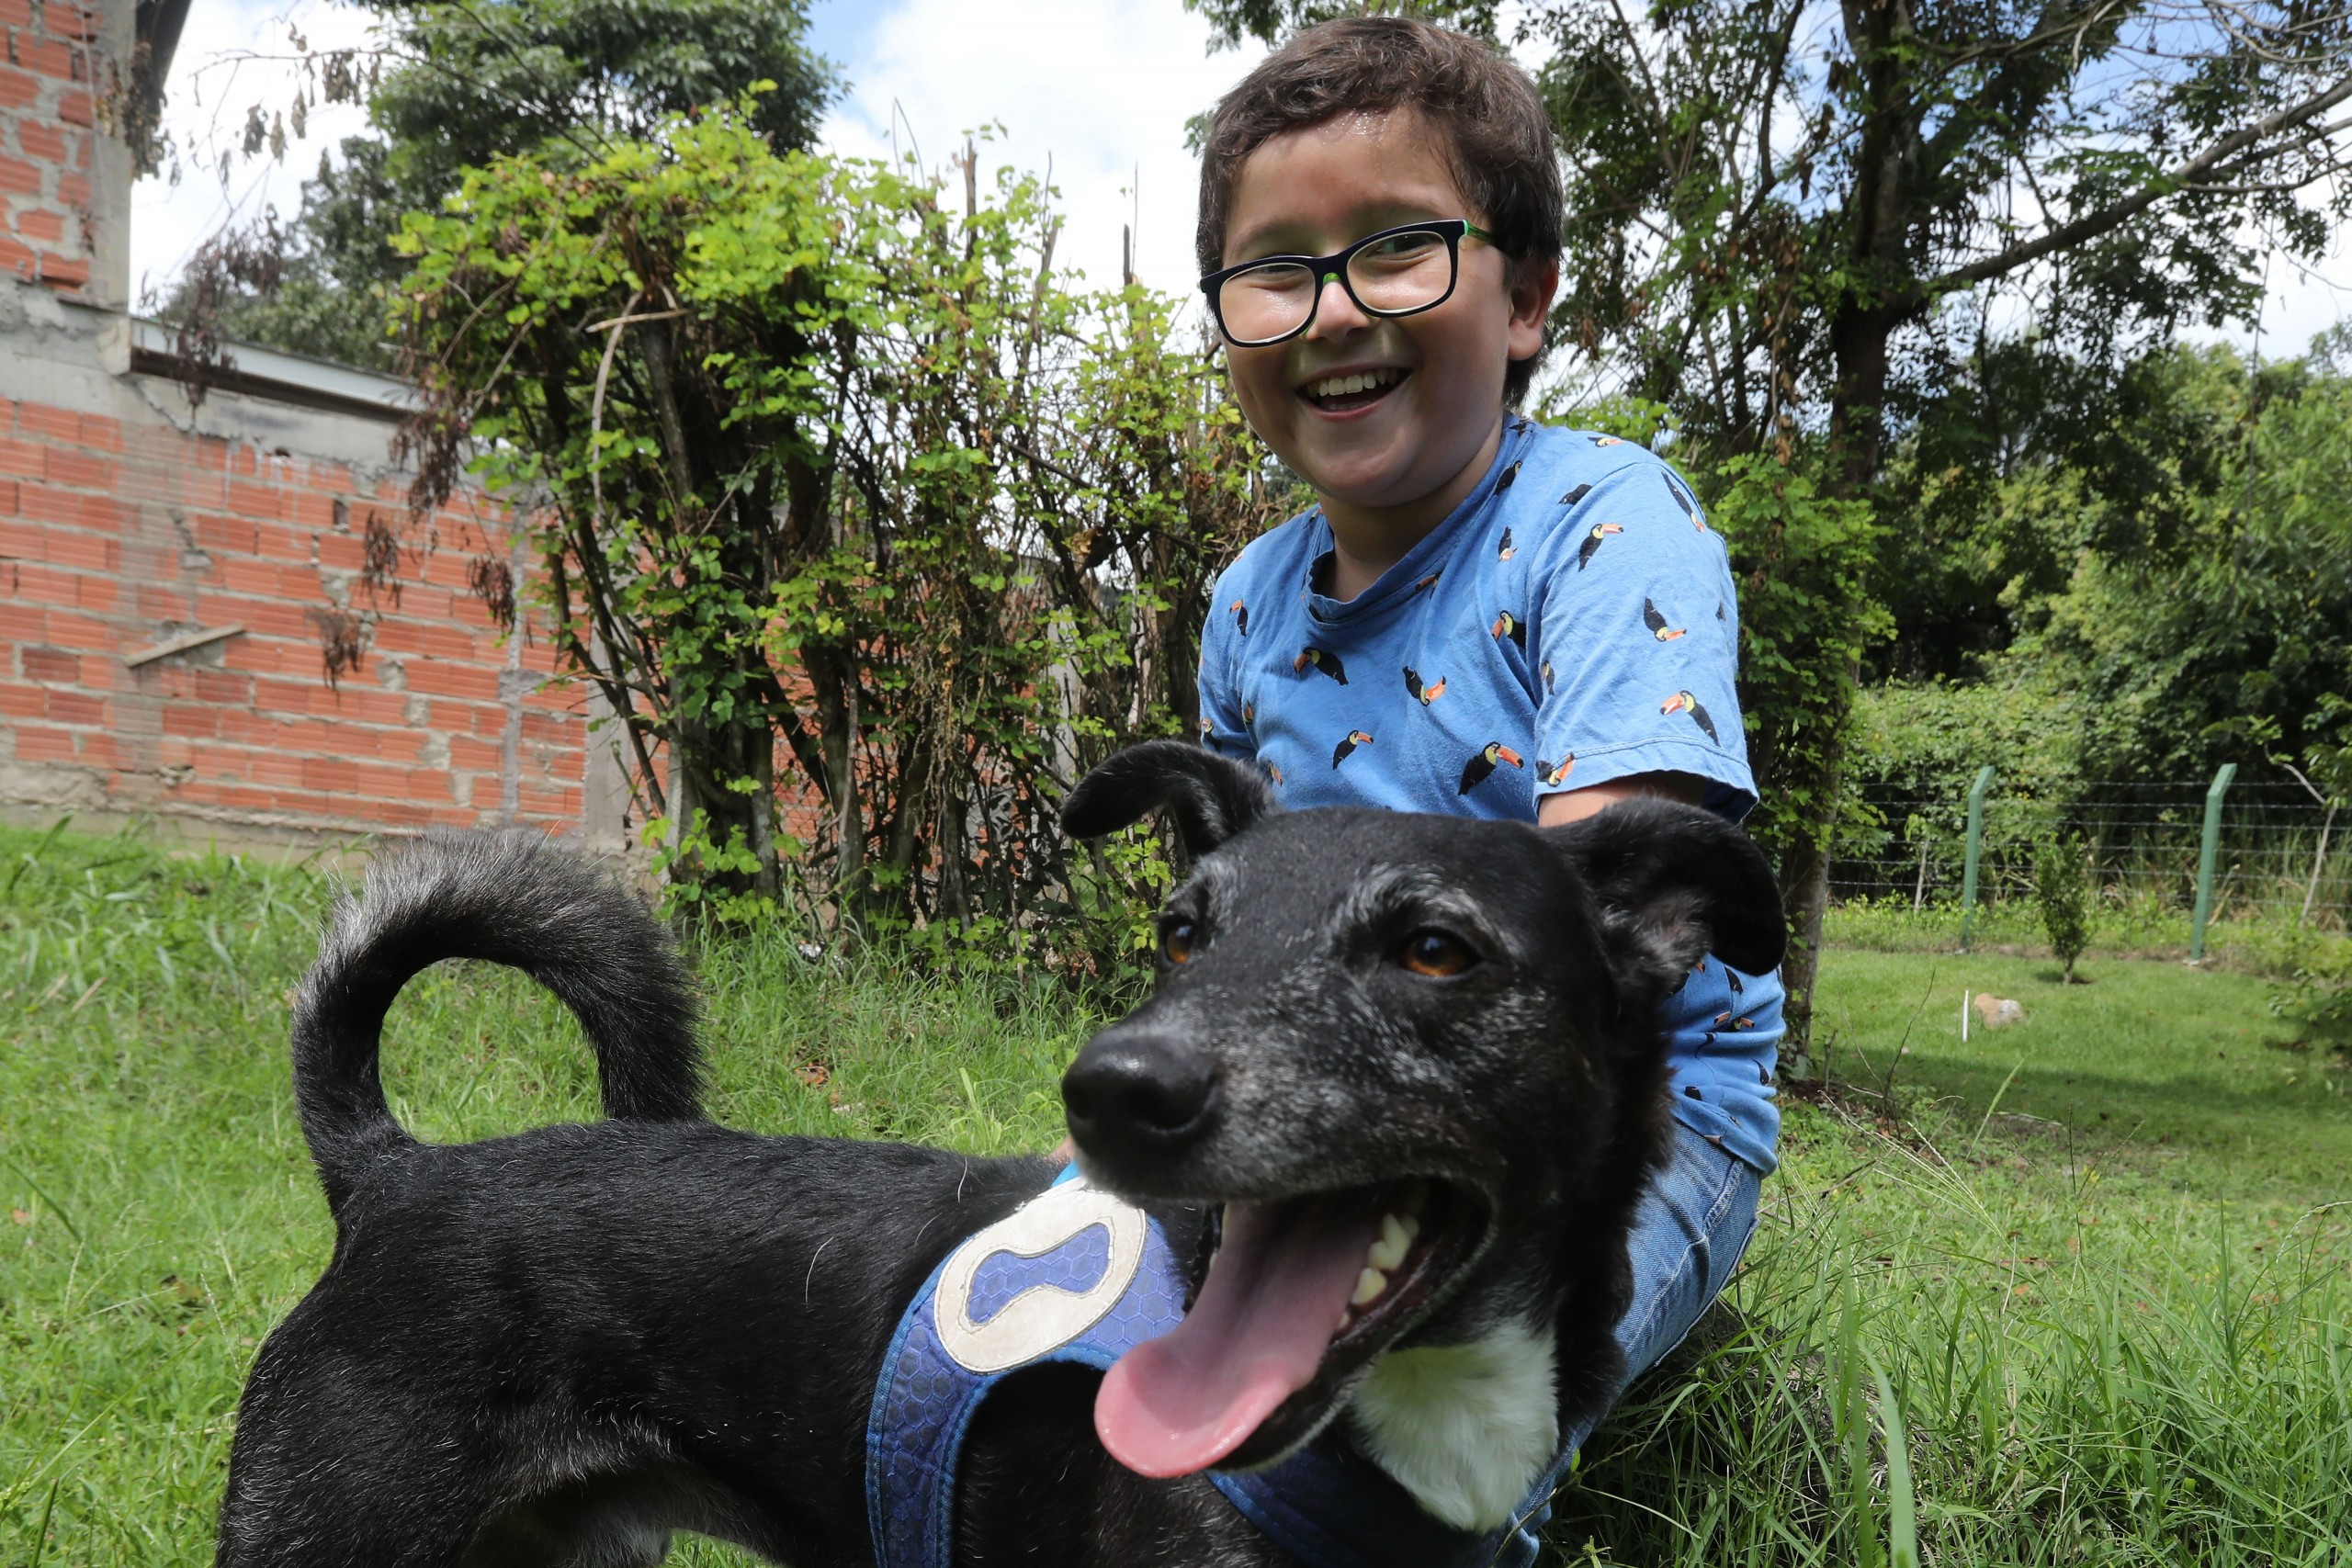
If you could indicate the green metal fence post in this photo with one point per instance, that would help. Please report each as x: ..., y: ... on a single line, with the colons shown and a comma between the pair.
x: 1975, y: 851
x: 2207, y: 854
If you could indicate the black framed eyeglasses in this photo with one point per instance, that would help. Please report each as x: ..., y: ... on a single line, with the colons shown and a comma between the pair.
x: 1396, y: 272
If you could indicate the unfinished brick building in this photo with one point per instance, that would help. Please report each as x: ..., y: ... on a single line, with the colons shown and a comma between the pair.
x: 167, y: 568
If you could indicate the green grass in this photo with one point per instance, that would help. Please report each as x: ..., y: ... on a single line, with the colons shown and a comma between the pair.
x: 2118, y: 1340
x: 2151, y: 1067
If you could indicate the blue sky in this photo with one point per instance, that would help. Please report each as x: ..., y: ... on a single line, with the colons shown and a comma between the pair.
x: 841, y: 29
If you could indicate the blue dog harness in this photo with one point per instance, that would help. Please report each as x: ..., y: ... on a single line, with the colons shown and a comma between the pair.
x: 1076, y: 1275
x: 1072, y: 1275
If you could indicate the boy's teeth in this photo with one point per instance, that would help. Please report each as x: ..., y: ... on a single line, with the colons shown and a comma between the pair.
x: 1369, y: 1284
x: 1342, y: 385
x: 1396, y: 1239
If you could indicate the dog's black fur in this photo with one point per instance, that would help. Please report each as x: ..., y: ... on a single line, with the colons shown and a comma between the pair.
x: 558, y: 1347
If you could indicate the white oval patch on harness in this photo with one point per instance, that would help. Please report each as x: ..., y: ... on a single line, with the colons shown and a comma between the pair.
x: 1045, y: 1315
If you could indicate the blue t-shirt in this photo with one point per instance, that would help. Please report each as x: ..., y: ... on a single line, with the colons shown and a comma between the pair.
x: 1571, y: 621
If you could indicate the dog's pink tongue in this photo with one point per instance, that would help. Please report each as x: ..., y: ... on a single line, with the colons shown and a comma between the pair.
x: 1280, y: 1280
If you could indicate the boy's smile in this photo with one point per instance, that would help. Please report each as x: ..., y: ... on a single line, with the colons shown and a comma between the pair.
x: 1391, y: 421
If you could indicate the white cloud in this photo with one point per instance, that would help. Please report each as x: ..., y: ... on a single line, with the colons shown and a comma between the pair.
x: 1098, y: 88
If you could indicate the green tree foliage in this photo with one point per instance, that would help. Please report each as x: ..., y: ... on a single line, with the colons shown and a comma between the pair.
x: 471, y: 81
x: 454, y: 85
x: 2227, y: 633
x: 831, y: 470
x: 1999, y: 485
x: 1770, y: 207
x: 2015, y: 474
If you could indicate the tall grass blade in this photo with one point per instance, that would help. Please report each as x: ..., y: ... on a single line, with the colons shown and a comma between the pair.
x: 1902, y: 1518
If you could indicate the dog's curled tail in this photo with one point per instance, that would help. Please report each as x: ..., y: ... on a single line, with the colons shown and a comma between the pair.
x: 513, y: 898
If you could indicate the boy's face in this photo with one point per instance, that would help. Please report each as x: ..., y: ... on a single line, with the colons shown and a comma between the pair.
x: 1314, y: 191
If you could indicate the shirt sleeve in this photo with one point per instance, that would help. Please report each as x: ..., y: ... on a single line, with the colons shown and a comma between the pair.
x: 1225, y: 727
x: 1635, y: 642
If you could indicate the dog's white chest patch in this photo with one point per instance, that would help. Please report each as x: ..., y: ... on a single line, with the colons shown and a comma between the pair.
x: 988, y: 1326
x: 1465, y: 1428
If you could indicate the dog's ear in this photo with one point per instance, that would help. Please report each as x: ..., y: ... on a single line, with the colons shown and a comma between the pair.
x: 1683, y: 883
x: 1213, y: 796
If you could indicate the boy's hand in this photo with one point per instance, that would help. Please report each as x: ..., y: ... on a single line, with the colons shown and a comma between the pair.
x: 1576, y: 805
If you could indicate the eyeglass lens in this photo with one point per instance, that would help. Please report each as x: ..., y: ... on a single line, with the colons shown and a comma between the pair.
x: 1396, y: 276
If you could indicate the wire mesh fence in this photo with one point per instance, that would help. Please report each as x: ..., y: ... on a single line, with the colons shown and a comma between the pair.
x: 2283, y: 853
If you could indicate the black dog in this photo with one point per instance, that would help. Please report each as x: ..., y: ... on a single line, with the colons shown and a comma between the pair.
x: 1411, y: 1062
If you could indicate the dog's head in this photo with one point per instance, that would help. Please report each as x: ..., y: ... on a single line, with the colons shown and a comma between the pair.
x: 1378, y: 1043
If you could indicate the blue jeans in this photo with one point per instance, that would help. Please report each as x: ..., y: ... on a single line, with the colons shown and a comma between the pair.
x: 1688, y: 1236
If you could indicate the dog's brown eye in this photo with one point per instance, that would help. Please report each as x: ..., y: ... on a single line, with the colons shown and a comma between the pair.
x: 1436, y: 953
x: 1176, y: 941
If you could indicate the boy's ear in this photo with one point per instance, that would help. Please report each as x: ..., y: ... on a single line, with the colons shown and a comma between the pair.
x: 1680, y: 883
x: 1213, y: 798
x: 1531, y: 291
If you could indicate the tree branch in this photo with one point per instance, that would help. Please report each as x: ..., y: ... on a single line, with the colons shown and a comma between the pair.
x: 2171, y: 182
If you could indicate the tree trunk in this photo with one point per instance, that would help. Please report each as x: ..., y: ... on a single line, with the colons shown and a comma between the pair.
x: 1805, y: 894
x: 1860, y: 337
x: 1885, y: 188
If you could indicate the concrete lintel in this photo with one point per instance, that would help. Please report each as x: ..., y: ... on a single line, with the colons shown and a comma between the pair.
x: 279, y: 377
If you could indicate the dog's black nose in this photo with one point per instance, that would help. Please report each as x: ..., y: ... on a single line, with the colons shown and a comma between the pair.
x: 1137, y: 1089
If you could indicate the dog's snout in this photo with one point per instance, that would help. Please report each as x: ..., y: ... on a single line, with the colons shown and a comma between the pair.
x: 1137, y: 1089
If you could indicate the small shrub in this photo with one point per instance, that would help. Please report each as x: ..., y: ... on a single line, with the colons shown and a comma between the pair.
x: 2062, y: 891
x: 2319, y: 1002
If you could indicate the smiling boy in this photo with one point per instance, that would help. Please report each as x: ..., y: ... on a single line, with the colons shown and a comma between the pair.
x: 1480, y: 616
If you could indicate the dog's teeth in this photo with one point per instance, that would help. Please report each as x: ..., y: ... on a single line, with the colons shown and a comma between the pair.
x: 1396, y: 1239
x: 1369, y: 1284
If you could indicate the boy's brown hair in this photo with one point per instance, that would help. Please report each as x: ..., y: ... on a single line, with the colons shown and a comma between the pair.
x: 1498, y: 138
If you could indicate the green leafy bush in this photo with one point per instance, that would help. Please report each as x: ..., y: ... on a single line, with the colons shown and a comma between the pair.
x: 2318, y: 1000
x: 873, y: 530
x: 2062, y: 892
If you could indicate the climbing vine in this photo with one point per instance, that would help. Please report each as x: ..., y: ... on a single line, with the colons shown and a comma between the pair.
x: 1801, y: 559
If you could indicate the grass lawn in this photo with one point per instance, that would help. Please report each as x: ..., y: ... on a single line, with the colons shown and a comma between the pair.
x: 2106, y: 1324
x: 2152, y: 1068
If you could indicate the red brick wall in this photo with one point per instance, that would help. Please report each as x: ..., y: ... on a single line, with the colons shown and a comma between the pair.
x: 47, y: 139
x: 113, y: 537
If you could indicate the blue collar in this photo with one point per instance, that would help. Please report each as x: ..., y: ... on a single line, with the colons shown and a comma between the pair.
x: 1076, y: 1275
